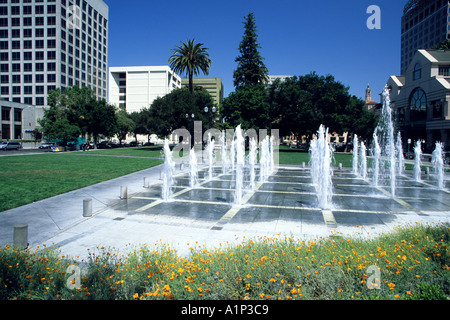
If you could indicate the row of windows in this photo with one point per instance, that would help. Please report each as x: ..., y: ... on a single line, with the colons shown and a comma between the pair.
x: 28, y: 22
x: 40, y: 101
x: 27, y: 90
x: 27, y: 44
x: 27, y: 33
x: 27, y: 10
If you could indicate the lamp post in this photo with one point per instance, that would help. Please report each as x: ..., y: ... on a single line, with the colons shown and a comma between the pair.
x: 210, y: 114
x: 189, y: 127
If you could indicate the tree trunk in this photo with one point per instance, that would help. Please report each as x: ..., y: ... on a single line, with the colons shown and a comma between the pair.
x: 191, y: 82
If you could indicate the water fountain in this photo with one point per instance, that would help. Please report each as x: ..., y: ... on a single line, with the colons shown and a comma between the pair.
x: 363, y: 161
x: 438, y: 164
x: 263, y: 150
x: 193, y: 173
x: 321, y: 170
x: 355, y: 154
x: 252, y: 162
x: 210, y: 151
x: 240, y: 162
x: 417, y: 161
x: 167, y: 174
x: 376, y: 159
x: 401, y: 159
x: 224, y: 154
x: 385, y: 132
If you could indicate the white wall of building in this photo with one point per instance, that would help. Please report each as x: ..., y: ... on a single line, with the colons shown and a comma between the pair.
x: 138, y: 87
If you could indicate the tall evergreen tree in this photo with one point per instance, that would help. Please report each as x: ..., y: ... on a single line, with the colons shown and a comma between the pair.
x: 251, y: 69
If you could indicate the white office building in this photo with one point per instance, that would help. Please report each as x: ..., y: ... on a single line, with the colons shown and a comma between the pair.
x: 49, y: 44
x: 135, y: 88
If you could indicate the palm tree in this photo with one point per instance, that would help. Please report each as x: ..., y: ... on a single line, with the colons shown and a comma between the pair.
x: 190, y: 58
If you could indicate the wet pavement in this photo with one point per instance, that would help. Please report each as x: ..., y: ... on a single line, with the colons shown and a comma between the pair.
x: 285, y: 204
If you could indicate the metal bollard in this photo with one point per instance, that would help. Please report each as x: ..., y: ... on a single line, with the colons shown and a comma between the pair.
x: 87, y: 207
x: 427, y: 169
x: 145, y: 182
x: 123, y: 192
x: 21, y: 236
x: 340, y: 166
x: 303, y: 164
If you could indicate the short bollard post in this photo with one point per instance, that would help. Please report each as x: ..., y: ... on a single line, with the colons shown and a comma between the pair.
x: 123, y: 192
x: 427, y: 169
x: 21, y: 236
x: 87, y: 207
x: 340, y: 166
x: 145, y: 182
x: 303, y: 164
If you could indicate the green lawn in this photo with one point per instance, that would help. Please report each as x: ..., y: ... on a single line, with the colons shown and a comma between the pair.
x: 29, y: 178
x: 153, y: 152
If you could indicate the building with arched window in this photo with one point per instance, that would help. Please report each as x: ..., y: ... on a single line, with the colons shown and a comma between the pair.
x: 420, y: 98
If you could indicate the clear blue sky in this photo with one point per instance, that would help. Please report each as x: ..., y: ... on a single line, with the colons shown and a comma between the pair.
x: 296, y: 36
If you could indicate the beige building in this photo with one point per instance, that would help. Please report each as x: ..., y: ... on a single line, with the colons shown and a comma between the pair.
x: 135, y: 88
x: 213, y: 85
x: 420, y: 98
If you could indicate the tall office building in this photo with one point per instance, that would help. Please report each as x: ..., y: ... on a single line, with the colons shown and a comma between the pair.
x: 424, y: 25
x: 48, y: 44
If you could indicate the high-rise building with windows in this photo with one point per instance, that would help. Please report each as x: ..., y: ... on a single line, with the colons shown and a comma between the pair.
x: 424, y: 25
x: 48, y: 44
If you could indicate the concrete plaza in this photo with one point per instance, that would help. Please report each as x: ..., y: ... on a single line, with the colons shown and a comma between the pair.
x: 285, y: 204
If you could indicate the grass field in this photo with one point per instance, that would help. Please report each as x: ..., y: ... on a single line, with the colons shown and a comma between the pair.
x: 28, y: 178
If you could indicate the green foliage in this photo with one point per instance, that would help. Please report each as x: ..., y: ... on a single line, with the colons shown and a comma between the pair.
x: 247, y: 106
x: 251, y: 70
x: 75, y: 112
x: 190, y: 58
x: 169, y: 112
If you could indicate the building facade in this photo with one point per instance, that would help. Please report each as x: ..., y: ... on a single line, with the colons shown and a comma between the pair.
x: 213, y: 86
x: 421, y: 98
x: 49, y: 44
x: 135, y: 88
x: 424, y: 24
x: 18, y: 120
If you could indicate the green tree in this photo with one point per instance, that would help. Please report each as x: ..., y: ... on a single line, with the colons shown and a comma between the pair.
x: 190, y: 58
x: 125, y: 125
x: 251, y: 69
x: 249, y: 107
x: 75, y: 112
x: 299, y: 105
x: 169, y: 112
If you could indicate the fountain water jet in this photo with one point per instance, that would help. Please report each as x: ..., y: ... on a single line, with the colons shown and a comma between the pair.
x: 193, y: 173
x: 321, y: 169
x: 169, y: 168
x: 438, y: 164
x: 401, y: 159
x: 355, y: 154
x: 224, y: 154
x: 376, y: 159
x: 252, y: 161
x: 210, y: 150
x: 363, y: 161
x: 240, y: 161
x: 417, y: 161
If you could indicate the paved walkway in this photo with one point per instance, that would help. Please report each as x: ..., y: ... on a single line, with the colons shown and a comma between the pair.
x: 285, y: 204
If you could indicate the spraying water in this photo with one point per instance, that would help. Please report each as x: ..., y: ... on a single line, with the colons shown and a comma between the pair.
x: 417, y: 161
x: 240, y: 161
x: 401, y: 159
x: 252, y: 162
x: 225, y: 163
x: 210, y: 150
x: 355, y: 155
x: 263, y: 159
x: 193, y: 173
x: 363, y: 161
x: 385, y: 131
x: 376, y: 159
x: 321, y: 170
x: 438, y: 164
x: 169, y: 168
